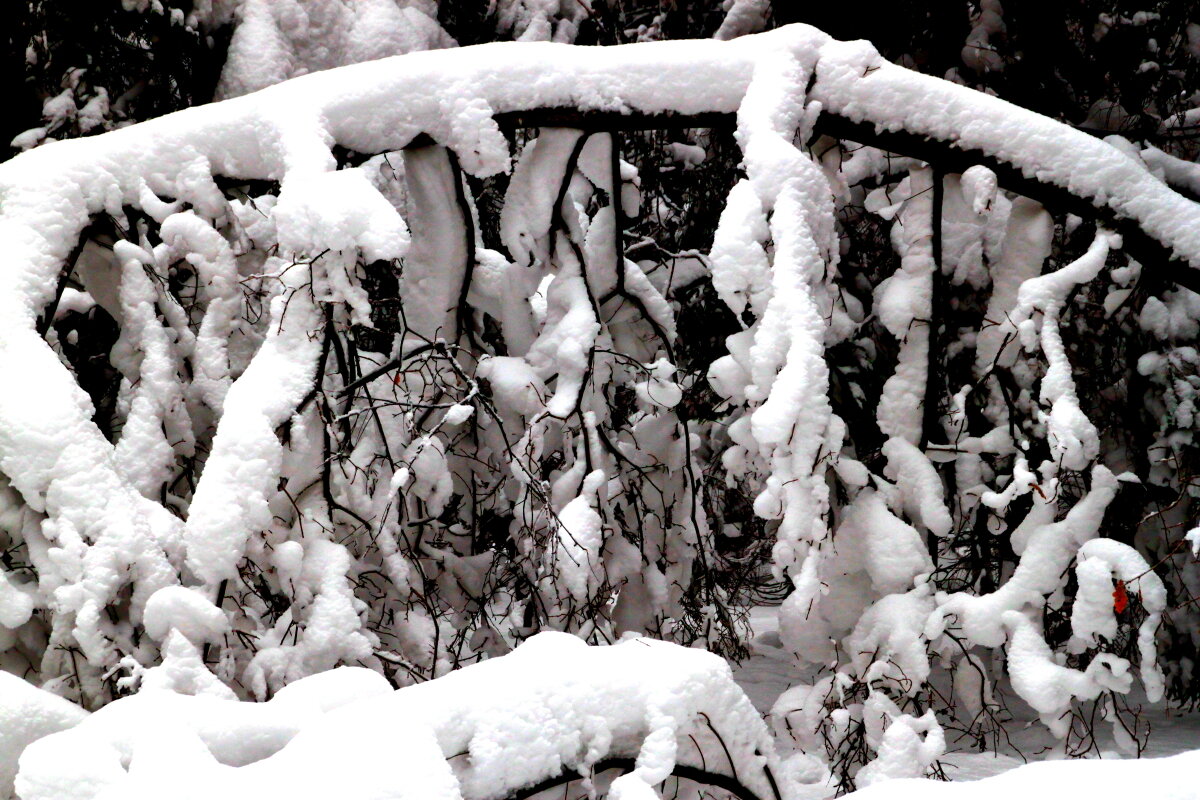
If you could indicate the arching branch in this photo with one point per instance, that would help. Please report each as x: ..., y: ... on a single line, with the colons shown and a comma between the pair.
x: 949, y: 158
x: 945, y: 156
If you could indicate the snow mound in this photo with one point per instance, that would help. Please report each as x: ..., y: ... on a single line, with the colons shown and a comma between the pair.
x: 551, y: 708
x: 28, y: 713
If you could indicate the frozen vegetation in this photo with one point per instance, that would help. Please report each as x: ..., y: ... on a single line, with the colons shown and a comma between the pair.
x: 412, y: 478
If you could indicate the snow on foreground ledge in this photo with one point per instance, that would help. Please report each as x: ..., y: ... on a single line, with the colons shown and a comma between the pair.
x: 26, y: 715
x: 482, y: 732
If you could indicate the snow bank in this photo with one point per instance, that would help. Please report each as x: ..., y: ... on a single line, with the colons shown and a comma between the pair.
x: 552, y: 705
x: 1171, y: 778
x: 28, y: 713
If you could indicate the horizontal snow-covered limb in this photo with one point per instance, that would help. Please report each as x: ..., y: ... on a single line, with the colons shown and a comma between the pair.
x: 553, y: 708
x: 285, y: 132
x: 57, y: 458
x: 453, y: 95
x: 854, y: 82
x: 60, y: 462
x: 1183, y: 175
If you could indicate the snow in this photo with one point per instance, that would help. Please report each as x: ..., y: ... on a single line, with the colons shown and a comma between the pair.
x: 902, y: 299
x: 659, y: 389
x: 437, y: 258
x: 1096, y: 563
x: 457, y: 414
x: 425, y: 464
x: 580, y: 539
x: 743, y: 17
x: 919, y: 485
x: 859, y: 569
x: 1027, y: 242
x: 1161, y: 778
x: 1046, y: 548
x: 1073, y: 438
x: 16, y: 603
x: 185, y: 610
x: 908, y: 747
x: 778, y: 687
x: 516, y: 388
x: 279, y: 39
x: 564, y: 705
x: 854, y: 81
x: 1048, y: 687
x: 231, y: 499
x: 1193, y: 538
x: 26, y: 715
x: 284, y: 131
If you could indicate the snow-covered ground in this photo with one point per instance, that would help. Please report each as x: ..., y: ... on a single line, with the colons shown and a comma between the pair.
x: 770, y: 671
x: 553, y: 705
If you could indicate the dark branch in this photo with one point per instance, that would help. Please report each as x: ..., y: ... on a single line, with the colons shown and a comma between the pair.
x: 949, y: 159
x: 944, y: 156
x: 695, y: 774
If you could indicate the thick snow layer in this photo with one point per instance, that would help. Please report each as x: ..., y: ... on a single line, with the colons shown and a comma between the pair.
x: 279, y: 39
x: 28, y: 713
x: 1046, y: 549
x: 284, y: 132
x: 231, y: 499
x: 1072, y: 437
x: 107, y: 530
x: 184, y: 610
x: 855, y: 81
x: 553, y: 704
x: 901, y: 300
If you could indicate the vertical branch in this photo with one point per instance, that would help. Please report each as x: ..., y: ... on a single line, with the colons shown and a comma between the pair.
x: 47, y: 318
x: 343, y: 369
x: 931, y: 427
x: 618, y: 210
x: 462, y: 324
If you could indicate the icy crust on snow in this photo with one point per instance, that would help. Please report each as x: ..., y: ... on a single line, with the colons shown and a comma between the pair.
x: 553, y: 704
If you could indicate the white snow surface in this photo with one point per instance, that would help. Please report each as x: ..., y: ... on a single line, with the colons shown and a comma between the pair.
x: 553, y: 704
x: 62, y: 465
x: 1170, y: 778
x: 565, y: 706
x: 1018, y: 771
x: 27, y: 714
